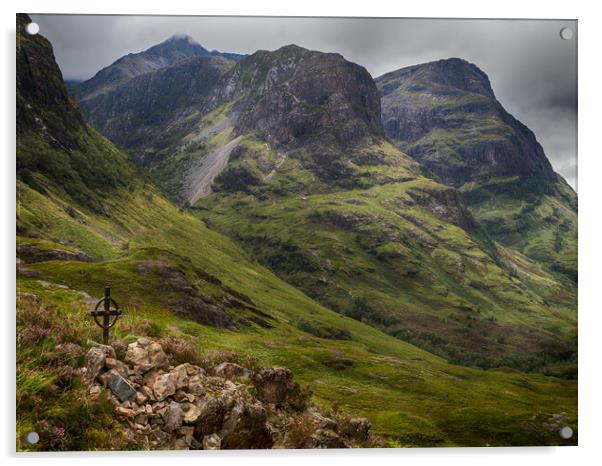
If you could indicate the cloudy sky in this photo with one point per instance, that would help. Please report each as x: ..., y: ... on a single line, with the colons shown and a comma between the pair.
x: 532, y: 70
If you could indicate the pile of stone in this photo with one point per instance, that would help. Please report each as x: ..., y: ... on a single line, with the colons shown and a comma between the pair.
x: 226, y: 407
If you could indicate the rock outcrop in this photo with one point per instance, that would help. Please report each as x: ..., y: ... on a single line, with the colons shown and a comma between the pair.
x: 293, y: 93
x: 225, y: 407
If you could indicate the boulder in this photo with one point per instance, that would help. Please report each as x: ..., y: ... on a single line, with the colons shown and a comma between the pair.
x: 191, y: 413
x: 183, y: 373
x: 182, y: 396
x: 210, y: 417
x: 358, y: 428
x: 245, y: 427
x: 145, y: 355
x: 121, y: 367
x: 275, y: 385
x: 196, y: 386
x: 184, y: 438
x: 120, y: 387
x: 95, y: 360
x: 323, y: 438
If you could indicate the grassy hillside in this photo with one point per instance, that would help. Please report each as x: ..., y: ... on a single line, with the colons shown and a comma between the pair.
x: 445, y: 115
x: 398, y: 251
x: 406, y: 392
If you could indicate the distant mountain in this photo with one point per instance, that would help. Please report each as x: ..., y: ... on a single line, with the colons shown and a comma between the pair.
x: 445, y: 115
x: 290, y: 143
x: 134, y: 113
x: 169, y: 52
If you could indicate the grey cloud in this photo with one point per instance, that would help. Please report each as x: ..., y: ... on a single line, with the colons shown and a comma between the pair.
x: 532, y: 70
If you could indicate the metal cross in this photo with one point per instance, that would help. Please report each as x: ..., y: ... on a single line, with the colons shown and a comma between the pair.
x: 109, y: 309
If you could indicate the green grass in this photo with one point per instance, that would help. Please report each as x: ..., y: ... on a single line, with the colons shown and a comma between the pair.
x: 406, y: 392
x: 426, y: 280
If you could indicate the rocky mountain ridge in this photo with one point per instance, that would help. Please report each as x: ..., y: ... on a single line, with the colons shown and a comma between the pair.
x: 454, y: 95
x: 168, y: 52
x: 297, y: 124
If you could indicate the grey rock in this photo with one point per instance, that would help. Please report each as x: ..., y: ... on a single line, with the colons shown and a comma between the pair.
x: 95, y: 360
x: 165, y: 385
x: 275, y: 385
x: 231, y: 371
x: 121, y: 387
x: 174, y: 417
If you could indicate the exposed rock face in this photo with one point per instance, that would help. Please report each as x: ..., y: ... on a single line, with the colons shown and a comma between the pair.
x: 446, y: 105
x: 29, y: 253
x: 294, y: 93
x: 134, y: 113
x: 291, y: 98
x: 51, y: 128
x: 184, y: 408
x: 446, y: 204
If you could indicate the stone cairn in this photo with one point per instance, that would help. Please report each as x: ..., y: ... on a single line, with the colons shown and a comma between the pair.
x: 232, y: 407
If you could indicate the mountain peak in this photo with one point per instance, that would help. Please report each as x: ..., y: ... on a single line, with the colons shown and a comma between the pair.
x: 169, y: 52
x: 294, y: 94
x: 449, y: 74
x: 176, y: 47
x: 181, y: 37
x: 179, y: 40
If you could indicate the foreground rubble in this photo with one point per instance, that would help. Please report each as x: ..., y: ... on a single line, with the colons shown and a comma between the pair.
x: 226, y: 407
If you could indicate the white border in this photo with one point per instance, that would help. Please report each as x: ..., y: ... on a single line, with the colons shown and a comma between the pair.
x: 590, y: 225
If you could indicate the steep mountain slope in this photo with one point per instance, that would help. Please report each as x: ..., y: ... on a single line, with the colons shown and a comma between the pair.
x: 305, y: 180
x: 169, y: 52
x: 320, y: 196
x: 180, y: 281
x: 135, y: 114
x: 54, y: 142
x: 445, y: 115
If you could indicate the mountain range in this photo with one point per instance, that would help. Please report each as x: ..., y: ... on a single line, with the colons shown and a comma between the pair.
x: 286, y: 204
x: 303, y: 128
